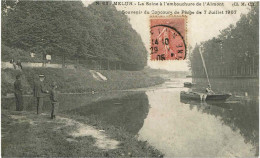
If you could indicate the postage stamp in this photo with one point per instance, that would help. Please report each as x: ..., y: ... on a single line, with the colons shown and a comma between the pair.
x: 168, y: 38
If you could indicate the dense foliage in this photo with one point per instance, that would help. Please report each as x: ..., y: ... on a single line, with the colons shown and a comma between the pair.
x: 69, y: 29
x: 235, y: 52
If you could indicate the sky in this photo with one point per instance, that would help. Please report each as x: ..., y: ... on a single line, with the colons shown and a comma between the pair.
x: 199, y: 27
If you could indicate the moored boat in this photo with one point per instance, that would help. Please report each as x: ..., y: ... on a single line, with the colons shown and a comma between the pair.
x: 218, y: 96
x: 204, y: 96
x: 210, y: 95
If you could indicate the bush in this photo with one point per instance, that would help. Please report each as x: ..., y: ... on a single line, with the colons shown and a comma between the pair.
x: 15, y: 53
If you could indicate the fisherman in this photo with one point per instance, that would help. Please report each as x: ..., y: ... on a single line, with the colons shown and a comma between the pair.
x: 18, y: 93
x: 39, y: 92
x: 54, y: 101
x: 209, y: 90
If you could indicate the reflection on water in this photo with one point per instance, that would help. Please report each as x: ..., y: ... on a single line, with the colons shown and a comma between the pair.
x: 176, y: 127
x: 126, y: 112
x: 188, y: 128
x: 121, y: 109
x: 179, y: 129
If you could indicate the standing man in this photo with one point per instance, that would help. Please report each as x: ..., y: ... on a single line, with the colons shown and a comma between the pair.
x: 18, y: 93
x: 54, y: 100
x: 19, y: 64
x: 13, y: 62
x: 39, y: 92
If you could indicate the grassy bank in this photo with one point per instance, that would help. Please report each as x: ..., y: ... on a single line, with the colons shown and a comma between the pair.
x: 80, y: 80
x: 25, y: 134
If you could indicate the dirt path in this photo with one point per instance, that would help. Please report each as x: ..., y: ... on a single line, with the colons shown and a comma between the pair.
x: 21, y: 130
x: 25, y: 134
x: 81, y: 130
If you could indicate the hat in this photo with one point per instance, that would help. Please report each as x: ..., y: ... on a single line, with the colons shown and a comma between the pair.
x: 41, y: 76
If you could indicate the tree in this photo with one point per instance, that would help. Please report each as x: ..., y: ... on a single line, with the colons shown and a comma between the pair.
x: 234, y: 52
x: 68, y: 29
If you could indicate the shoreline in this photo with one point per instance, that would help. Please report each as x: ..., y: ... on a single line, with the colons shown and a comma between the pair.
x: 11, y: 95
x: 227, y: 77
x: 80, y: 81
x: 128, y: 146
x: 28, y: 125
x: 80, y: 136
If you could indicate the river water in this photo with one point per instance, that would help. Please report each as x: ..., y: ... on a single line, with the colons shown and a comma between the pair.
x: 185, y: 128
x: 179, y: 127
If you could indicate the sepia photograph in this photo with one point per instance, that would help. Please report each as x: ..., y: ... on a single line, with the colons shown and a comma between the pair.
x: 87, y: 78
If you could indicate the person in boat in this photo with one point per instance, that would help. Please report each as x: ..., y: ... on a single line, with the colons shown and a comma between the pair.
x: 209, y: 90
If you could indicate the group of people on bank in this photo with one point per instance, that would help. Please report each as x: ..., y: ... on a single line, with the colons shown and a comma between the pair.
x: 39, y: 93
x: 17, y: 63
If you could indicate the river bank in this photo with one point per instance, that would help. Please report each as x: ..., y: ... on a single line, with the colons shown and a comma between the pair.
x: 80, y: 80
x: 142, y: 121
x: 27, y: 134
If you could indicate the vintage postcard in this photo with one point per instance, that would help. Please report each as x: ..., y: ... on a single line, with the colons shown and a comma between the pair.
x: 129, y: 78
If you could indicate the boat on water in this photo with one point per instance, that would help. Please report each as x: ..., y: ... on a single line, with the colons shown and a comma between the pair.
x: 218, y: 96
x: 189, y: 84
x: 204, y: 96
x: 210, y: 95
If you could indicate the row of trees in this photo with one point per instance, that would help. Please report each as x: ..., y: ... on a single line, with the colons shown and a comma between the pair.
x: 71, y: 30
x: 235, y: 52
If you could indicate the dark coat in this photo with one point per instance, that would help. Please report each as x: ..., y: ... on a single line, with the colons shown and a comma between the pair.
x: 39, y: 89
x: 18, y: 95
x: 53, y: 95
x: 18, y: 87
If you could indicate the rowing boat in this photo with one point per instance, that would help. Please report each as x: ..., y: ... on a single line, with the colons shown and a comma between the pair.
x: 204, y: 96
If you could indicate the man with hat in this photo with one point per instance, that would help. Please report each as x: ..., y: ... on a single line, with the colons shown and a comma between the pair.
x: 39, y: 92
x: 18, y: 93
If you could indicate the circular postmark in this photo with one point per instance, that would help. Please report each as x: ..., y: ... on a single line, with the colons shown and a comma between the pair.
x: 167, y: 43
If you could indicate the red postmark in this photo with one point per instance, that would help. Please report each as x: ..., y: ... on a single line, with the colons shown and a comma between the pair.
x: 168, y: 38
